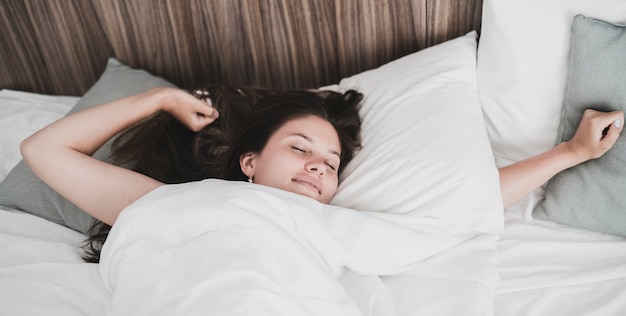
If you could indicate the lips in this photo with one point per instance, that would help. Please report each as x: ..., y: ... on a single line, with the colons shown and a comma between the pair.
x: 313, y: 184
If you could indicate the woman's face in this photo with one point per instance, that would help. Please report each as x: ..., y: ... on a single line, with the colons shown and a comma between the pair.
x: 302, y: 157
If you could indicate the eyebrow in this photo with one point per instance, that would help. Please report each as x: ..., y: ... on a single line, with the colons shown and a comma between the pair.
x: 309, y: 139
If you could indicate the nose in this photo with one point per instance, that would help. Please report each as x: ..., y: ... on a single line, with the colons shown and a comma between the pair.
x: 317, y: 166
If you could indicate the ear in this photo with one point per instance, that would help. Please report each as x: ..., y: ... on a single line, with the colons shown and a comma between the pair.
x: 247, y: 163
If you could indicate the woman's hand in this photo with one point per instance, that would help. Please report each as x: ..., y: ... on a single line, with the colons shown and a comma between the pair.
x: 596, y: 134
x: 189, y: 110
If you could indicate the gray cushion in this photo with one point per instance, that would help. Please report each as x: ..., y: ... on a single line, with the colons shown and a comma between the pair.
x: 592, y: 195
x: 21, y: 189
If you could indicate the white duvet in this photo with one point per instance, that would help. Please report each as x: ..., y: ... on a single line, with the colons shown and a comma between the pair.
x: 233, y: 248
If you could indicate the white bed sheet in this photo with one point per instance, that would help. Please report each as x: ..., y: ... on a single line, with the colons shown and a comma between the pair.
x: 41, y: 271
x: 552, y: 269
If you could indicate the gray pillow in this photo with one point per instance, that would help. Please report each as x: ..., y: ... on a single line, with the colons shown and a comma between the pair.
x: 592, y: 195
x: 21, y: 189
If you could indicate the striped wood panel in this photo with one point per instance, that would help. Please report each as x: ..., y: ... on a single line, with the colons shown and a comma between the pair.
x: 61, y: 46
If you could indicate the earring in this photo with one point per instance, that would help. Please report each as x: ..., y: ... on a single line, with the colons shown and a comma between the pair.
x: 250, y: 180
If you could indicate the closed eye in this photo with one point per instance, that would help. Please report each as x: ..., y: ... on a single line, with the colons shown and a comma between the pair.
x: 298, y: 149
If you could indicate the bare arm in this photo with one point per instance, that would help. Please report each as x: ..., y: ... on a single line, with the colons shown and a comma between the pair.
x: 589, y: 142
x: 60, y: 154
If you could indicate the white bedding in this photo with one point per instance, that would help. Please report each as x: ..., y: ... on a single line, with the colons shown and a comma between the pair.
x: 247, y: 262
x: 41, y: 272
x: 552, y: 269
x: 197, y: 247
x: 544, y: 268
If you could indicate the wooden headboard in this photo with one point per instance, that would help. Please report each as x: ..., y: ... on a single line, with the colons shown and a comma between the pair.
x: 61, y: 46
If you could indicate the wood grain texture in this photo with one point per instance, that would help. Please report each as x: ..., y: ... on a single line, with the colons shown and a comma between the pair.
x: 61, y: 46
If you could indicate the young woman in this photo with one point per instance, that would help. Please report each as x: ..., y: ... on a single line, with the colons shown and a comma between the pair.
x: 296, y: 141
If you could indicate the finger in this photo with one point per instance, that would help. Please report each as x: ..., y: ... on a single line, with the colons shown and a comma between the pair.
x: 613, y: 130
x: 611, y: 137
x: 608, y: 121
x: 207, y: 118
x: 616, y: 126
x: 619, y: 120
x: 613, y: 116
x: 201, y: 115
x: 201, y: 120
x: 207, y: 111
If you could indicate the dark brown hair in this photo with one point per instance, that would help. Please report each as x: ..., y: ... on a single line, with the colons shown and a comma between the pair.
x: 271, y: 113
x: 162, y: 148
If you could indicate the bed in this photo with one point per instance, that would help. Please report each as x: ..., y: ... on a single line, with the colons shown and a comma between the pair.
x: 452, y: 91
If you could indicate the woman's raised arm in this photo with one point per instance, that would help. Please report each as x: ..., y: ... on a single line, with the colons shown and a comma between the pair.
x: 595, y: 135
x: 60, y: 154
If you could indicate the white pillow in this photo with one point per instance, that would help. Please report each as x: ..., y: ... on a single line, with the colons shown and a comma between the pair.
x: 425, y: 147
x: 22, y: 114
x: 523, y: 57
